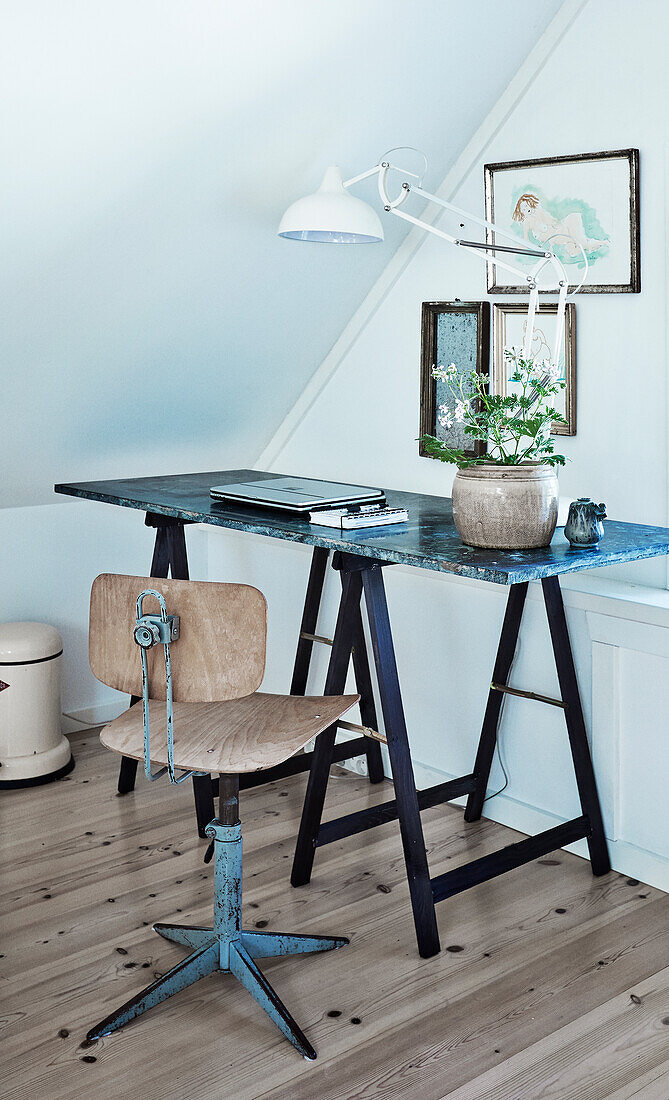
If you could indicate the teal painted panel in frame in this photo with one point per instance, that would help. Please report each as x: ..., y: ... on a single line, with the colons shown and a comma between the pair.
x: 452, y: 332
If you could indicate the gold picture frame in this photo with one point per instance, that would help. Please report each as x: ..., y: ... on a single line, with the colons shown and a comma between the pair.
x: 508, y: 321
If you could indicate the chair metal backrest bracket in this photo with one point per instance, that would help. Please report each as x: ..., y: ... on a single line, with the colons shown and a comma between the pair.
x: 149, y: 631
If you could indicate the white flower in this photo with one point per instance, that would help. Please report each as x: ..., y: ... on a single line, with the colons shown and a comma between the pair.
x: 445, y: 417
x: 460, y: 411
x: 438, y: 372
x: 452, y: 369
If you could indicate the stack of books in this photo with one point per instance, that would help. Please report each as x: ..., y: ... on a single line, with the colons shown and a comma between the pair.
x: 363, y: 515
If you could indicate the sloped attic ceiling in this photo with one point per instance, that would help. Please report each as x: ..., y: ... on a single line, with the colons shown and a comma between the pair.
x: 153, y: 321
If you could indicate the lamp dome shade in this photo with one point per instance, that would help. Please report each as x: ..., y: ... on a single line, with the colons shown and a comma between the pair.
x: 331, y: 215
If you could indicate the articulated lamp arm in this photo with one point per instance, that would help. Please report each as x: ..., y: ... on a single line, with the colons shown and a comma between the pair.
x: 333, y: 215
x: 545, y: 257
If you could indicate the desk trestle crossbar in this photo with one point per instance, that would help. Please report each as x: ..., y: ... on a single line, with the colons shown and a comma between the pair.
x: 364, y: 576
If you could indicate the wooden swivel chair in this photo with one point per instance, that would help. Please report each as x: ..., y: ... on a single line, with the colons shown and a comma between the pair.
x: 207, y: 679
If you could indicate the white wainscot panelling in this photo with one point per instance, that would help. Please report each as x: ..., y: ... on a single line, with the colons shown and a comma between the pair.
x: 630, y: 704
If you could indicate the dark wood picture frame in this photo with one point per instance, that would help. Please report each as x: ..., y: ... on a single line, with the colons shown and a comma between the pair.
x: 633, y: 286
x: 429, y: 353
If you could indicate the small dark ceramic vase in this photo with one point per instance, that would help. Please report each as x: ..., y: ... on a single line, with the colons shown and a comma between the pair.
x: 584, y: 527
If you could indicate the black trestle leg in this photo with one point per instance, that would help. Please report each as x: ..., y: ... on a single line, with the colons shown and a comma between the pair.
x: 578, y: 740
x: 176, y: 537
x: 160, y: 563
x: 305, y: 645
x: 309, y: 622
x: 128, y: 770
x: 127, y: 775
x: 335, y: 684
x: 503, y: 661
x: 411, y: 829
x: 363, y: 681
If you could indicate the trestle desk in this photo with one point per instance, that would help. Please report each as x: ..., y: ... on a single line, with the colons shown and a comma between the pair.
x: 428, y: 541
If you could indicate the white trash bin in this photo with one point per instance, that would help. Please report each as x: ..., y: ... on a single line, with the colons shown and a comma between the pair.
x: 32, y: 747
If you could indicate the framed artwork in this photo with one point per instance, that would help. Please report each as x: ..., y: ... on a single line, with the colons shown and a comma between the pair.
x: 509, y: 325
x: 590, y: 200
x: 452, y: 332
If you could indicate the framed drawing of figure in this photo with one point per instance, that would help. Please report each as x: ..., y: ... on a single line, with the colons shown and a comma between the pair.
x: 573, y: 205
x: 509, y: 322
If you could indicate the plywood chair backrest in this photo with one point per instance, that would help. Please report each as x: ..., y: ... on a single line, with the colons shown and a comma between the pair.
x: 220, y: 652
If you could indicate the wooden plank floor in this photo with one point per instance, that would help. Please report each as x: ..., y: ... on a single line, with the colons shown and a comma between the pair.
x: 551, y: 983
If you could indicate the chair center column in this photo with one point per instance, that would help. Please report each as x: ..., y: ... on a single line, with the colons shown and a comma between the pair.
x: 226, y: 831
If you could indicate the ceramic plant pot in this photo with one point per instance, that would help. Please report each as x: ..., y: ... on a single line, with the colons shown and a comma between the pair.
x: 506, y: 507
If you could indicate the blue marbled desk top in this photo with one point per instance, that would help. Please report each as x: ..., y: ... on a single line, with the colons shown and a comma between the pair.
x: 429, y: 540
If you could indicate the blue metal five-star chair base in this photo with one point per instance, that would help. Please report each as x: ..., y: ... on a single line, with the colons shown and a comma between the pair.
x: 225, y: 947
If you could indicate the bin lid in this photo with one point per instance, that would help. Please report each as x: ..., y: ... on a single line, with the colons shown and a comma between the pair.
x: 22, y: 642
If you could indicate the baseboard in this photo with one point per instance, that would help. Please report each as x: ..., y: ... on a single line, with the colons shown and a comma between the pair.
x: 76, y: 720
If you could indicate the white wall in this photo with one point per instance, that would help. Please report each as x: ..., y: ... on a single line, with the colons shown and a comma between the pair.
x: 151, y: 316
x: 151, y: 320
x: 603, y: 86
x: 49, y: 558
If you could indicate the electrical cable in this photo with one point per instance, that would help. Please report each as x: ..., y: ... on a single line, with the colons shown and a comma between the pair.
x: 84, y: 725
x: 498, y: 747
x: 498, y: 753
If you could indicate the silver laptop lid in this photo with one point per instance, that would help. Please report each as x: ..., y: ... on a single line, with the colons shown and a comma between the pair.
x: 297, y: 494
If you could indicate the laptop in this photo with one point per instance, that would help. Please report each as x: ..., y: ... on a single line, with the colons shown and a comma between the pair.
x: 296, y: 494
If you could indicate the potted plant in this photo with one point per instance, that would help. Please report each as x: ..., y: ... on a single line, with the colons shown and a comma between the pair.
x: 507, y: 497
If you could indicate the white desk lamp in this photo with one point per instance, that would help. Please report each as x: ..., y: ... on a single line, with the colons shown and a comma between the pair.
x: 332, y: 215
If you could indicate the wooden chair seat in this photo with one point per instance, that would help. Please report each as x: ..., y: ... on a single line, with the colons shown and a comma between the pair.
x: 249, y: 734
